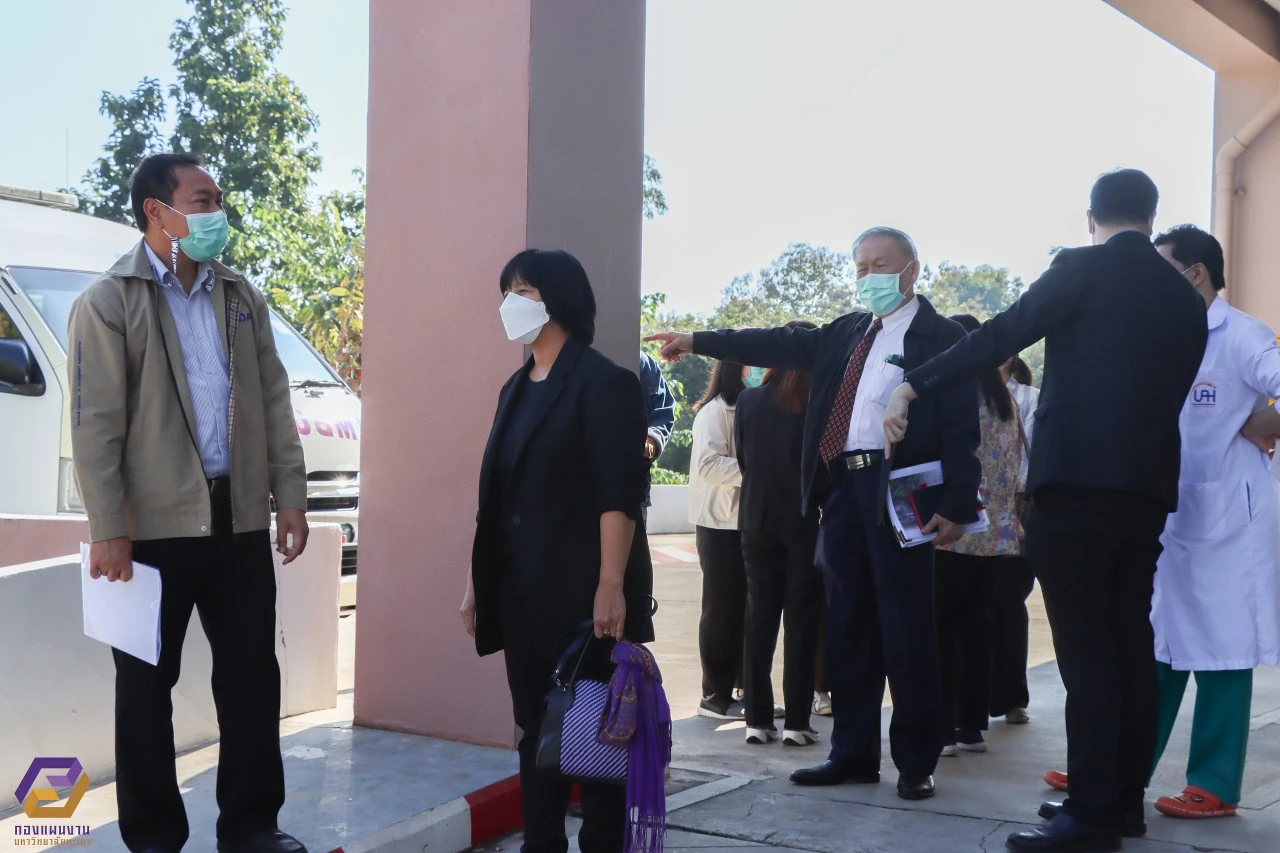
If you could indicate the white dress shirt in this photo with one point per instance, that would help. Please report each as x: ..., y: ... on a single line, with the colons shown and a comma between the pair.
x: 879, y: 378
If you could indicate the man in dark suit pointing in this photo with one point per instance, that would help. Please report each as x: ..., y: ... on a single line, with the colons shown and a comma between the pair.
x: 880, y: 595
x: 1124, y: 336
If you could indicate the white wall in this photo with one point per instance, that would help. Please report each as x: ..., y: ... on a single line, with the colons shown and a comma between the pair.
x: 57, y: 686
x: 670, y: 510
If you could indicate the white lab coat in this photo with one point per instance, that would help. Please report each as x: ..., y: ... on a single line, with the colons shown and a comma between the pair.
x: 1217, y: 597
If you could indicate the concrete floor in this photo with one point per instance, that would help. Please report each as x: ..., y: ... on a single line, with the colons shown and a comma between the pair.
x: 678, y: 588
x: 345, y: 783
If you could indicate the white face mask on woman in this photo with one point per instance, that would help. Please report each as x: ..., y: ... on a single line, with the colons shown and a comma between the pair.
x: 523, y: 318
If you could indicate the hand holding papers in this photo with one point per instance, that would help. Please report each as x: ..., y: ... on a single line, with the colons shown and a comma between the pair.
x: 123, y: 614
x: 912, y: 502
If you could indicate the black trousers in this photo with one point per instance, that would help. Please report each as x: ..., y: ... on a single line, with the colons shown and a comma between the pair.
x: 545, y: 798
x: 1094, y: 553
x: 1008, y: 629
x: 782, y: 585
x: 230, y: 580
x: 724, y: 606
x: 880, y: 623
x: 821, y: 682
x: 964, y: 648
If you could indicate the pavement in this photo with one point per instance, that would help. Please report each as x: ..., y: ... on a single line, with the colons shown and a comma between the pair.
x: 346, y: 784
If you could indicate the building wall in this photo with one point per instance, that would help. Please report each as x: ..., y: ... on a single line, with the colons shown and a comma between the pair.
x: 494, y: 126
x: 1253, y: 275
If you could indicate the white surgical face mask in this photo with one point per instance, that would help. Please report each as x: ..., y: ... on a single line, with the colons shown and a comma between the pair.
x: 523, y: 318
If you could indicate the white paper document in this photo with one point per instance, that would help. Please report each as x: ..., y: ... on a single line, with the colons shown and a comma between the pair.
x: 125, y: 616
x: 902, y: 483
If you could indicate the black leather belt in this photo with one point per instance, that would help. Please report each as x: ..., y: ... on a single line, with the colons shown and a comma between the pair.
x: 219, y: 486
x: 857, y: 460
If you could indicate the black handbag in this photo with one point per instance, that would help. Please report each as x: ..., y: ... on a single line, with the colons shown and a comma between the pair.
x: 568, y: 744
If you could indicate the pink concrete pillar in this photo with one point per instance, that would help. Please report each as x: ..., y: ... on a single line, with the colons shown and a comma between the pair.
x: 494, y: 125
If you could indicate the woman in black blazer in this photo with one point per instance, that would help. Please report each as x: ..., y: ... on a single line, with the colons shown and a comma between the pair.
x: 559, y: 541
x: 778, y: 541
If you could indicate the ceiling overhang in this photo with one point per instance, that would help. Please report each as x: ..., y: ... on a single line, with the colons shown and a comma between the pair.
x: 1226, y: 35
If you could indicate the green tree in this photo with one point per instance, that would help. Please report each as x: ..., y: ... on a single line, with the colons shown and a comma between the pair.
x: 655, y: 200
x: 316, y: 273
x: 982, y: 291
x: 804, y: 282
x: 250, y: 123
x: 135, y: 133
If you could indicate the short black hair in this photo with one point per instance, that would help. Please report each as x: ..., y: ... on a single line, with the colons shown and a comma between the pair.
x: 1123, y: 197
x: 564, y: 286
x: 1192, y: 246
x: 156, y: 177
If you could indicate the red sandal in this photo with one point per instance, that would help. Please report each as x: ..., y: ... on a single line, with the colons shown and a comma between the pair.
x: 1194, y: 802
x: 1056, y: 779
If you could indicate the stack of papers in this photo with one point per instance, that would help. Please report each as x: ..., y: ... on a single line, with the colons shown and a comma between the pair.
x: 901, y: 484
x: 125, y: 616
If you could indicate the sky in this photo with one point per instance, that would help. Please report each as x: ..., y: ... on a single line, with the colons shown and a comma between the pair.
x: 977, y: 126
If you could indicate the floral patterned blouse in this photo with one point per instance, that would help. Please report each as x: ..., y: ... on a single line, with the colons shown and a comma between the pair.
x: 1001, y: 456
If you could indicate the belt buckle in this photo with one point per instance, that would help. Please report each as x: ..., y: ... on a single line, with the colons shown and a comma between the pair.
x: 857, y: 461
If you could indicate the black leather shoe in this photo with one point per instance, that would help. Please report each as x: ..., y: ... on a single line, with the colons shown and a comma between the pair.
x: 270, y: 841
x: 915, y: 789
x: 1134, y: 825
x: 1065, y: 834
x: 832, y: 773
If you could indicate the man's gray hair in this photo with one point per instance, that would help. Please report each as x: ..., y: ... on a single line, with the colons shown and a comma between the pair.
x: 905, y: 243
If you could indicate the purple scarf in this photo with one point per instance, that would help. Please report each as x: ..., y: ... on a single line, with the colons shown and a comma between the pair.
x: 637, y: 716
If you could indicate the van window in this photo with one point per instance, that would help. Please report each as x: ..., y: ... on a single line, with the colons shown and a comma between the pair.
x: 8, y: 331
x: 54, y: 291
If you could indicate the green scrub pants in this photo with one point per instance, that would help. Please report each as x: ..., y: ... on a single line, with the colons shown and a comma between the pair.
x: 1219, y: 729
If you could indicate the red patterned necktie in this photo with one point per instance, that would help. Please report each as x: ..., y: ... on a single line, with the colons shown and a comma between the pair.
x: 837, y: 431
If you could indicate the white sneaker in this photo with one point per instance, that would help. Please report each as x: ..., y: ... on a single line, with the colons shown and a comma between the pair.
x: 759, y: 737
x: 803, y: 737
x: 822, y: 704
x: 950, y: 751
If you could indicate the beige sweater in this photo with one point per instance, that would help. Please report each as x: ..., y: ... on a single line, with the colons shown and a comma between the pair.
x: 132, y: 420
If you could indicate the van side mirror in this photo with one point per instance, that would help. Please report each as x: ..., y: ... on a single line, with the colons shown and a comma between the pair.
x: 19, y: 372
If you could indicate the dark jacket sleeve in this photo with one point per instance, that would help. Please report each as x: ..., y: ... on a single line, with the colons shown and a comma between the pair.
x: 796, y: 349
x: 960, y: 435
x: 1049, y: 302
x: 614, y: 425
x: 660, y: 403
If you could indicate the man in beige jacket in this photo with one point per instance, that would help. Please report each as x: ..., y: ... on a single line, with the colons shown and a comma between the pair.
x: 182, y: 433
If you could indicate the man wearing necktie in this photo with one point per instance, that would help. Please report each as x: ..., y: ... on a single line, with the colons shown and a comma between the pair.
x: 880, y: 595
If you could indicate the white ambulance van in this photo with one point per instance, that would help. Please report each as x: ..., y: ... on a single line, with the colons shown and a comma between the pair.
x: 48, y: 255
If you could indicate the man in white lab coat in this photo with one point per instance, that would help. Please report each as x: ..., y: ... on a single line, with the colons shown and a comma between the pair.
x: 1216, y: 608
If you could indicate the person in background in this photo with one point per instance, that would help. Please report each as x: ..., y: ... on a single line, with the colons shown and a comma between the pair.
x: 559, y: 539
x: 966, y: 571
x: 715, y: 486
x: 778, y: 540
x: 1009, y: 622
x: 1216, y: 609
x: 660, y: 406
x: 182, y: 436
x: 879, y: 594
x: 1125, y: 336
